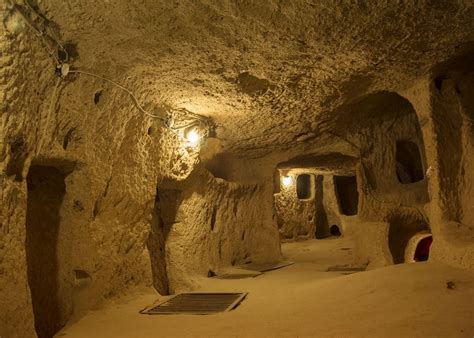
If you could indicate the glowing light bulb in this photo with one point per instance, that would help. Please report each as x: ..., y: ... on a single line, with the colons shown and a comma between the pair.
x: 193, y: 137
x: 287, y: 181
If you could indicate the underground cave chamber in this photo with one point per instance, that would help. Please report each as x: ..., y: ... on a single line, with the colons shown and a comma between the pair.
x: 251, y: 159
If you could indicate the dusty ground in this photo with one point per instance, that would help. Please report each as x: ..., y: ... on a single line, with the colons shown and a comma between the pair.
x: 406, y: 300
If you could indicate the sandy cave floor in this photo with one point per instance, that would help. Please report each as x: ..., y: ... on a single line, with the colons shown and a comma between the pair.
x: 406, y: 300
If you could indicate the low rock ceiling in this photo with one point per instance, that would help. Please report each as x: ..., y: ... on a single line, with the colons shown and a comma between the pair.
x: 328, y: 162
x: 269, y: 73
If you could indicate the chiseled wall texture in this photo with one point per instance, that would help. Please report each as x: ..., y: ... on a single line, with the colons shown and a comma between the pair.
x: 446, y: 113
x: 215, y: 224
x: 382, y: 198
x: 297, y: 219
x: 23, y: 89
x: 110, y: 188
x: 112, y: 157
x: 440, y: 123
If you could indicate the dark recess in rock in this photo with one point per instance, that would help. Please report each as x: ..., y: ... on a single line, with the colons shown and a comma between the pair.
x: 252, y: 85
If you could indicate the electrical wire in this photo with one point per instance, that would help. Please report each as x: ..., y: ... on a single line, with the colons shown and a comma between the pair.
x: 46, y: 23
x: 139, y: 107
x: 40, y: 34
x: 118, y: 85
x: 196, y: 120
x: 202, y: 121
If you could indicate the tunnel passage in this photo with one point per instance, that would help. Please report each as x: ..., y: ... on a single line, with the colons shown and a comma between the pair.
x: 347, y: 194
x: 46, y: 190
x: 335, y: 231
x: 403, y: 227
x: 422, y: 252
x: 408, y: 162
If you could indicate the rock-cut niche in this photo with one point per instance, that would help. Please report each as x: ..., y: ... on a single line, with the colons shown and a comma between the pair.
x: 347, y: 194
x: 304, y: 186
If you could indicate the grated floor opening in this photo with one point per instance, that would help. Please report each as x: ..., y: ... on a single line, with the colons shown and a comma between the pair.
x: 197, y: 303
x: 236, y: 276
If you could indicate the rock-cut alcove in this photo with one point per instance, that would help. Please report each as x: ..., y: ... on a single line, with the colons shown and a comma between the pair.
x: 347, y: 194
x: 422, y: 252
x: 403, y: 227
x: 305, y: 186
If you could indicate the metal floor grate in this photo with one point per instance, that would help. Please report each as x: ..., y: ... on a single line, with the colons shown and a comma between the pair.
x: 264, y: 267
x: 236, y: 276
x: 345, y: 269
x: 196, y: 303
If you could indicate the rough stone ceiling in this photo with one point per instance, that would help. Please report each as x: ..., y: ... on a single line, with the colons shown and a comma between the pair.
x: 268, y: 72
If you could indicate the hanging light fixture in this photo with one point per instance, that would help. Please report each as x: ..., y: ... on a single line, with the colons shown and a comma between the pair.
x: 191, y: 128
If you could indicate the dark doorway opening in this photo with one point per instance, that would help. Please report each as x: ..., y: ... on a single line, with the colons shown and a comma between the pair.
x: 335, y: 231
x: 322, y: 224
x: 422, y: 252
x: 347, y: 194
x: 303, y: 187
x: 409, y: 166
x: 402, y: 229
x: 46, y: 190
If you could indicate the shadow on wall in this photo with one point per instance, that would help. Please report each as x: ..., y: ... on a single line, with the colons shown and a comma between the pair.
x: 46, y: 190
x: 164, y: 213
x: 218, y: 166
